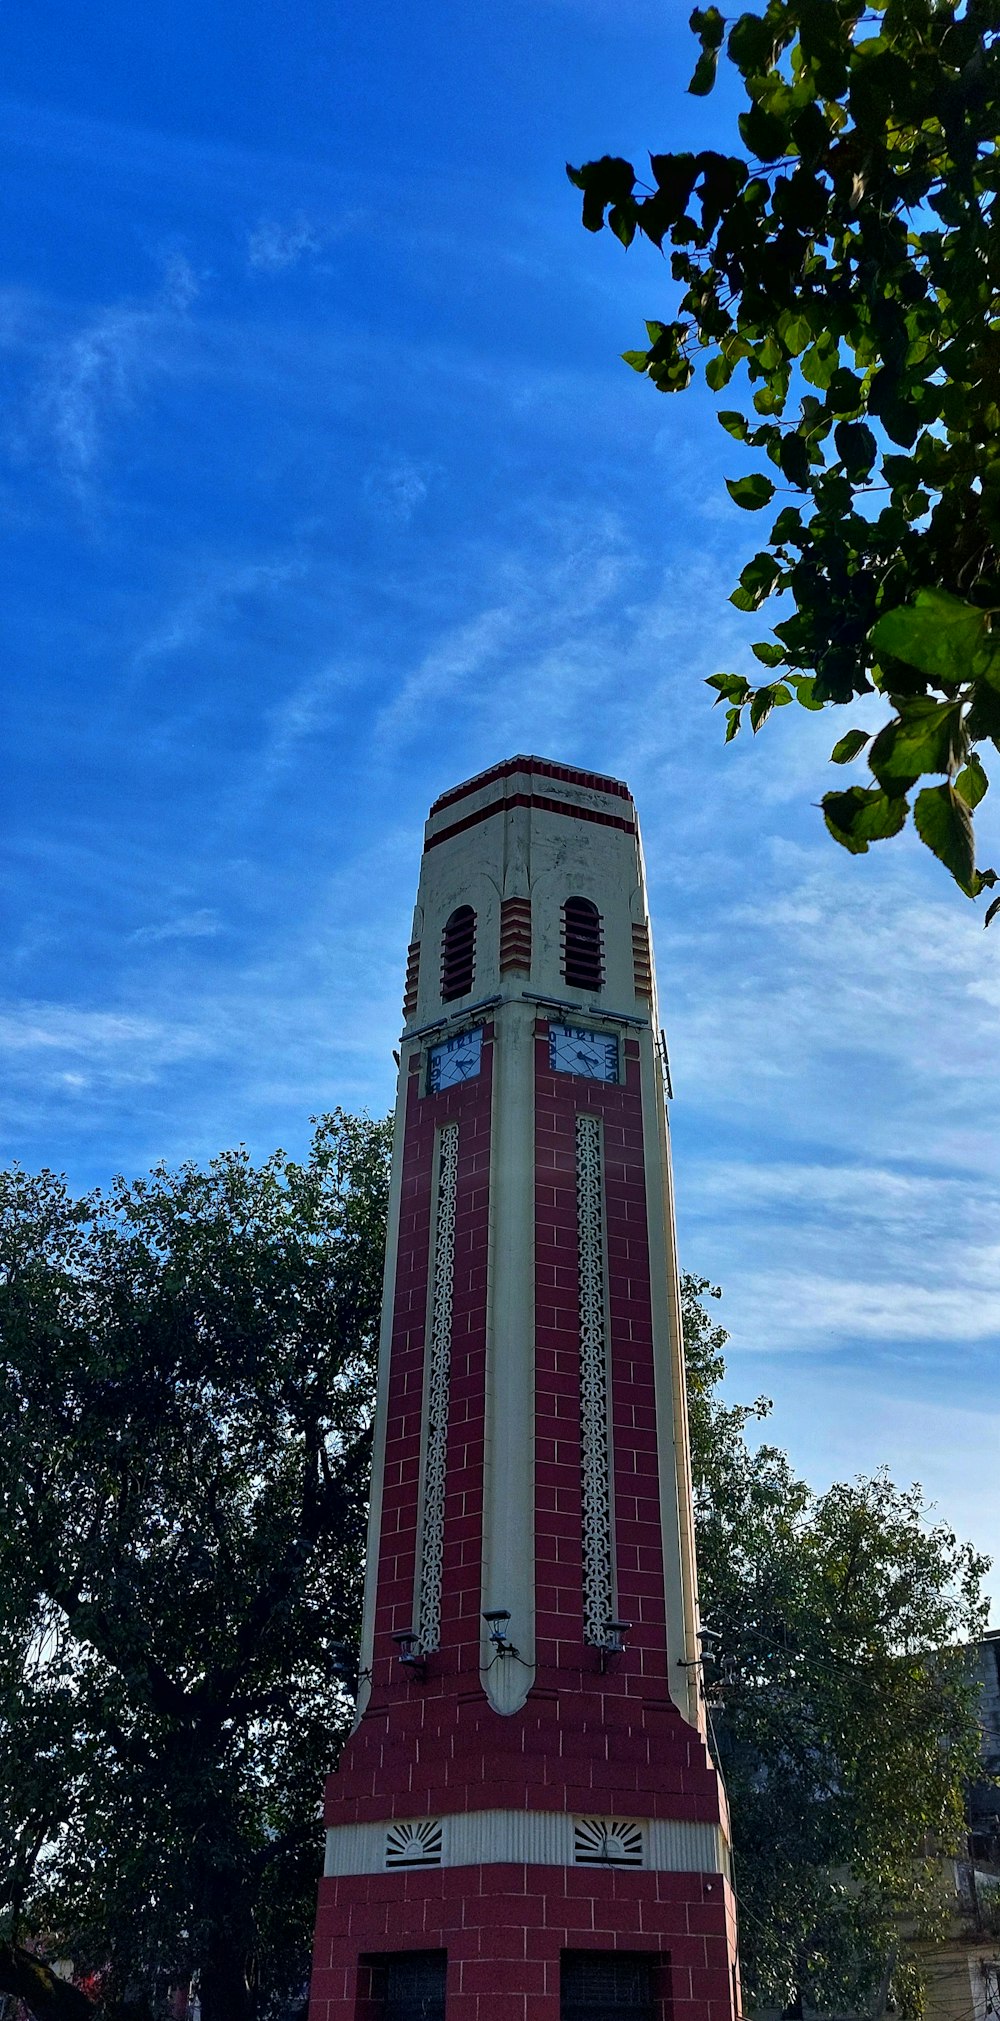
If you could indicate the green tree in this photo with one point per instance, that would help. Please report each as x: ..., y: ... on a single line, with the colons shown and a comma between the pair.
x: 843, y: 1703
x: 187, y: 1380
x: 848, y: 261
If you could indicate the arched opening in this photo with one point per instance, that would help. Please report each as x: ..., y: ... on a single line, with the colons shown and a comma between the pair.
x: 458, y: 953
x: 583, y: 964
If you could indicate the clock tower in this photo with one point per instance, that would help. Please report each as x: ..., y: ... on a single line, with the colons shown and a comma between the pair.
x: 526, y: 1824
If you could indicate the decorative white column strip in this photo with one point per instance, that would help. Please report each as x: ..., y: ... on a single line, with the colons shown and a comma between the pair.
x: 598, y: 1569
x: 508, y: 1575
x: 436, y: 1429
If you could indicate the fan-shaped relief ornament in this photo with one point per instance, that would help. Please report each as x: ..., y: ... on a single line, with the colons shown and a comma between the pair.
x: 598, y: 1569
x: 436, y: 1428
x: 607, y: 1842
x: 414, y: 1845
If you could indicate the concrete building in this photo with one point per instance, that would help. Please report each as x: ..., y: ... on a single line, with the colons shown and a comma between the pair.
x: 963, y: 1973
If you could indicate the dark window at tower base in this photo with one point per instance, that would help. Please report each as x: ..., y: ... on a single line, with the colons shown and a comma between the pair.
x: 402, y: 1986
x: 608, y: 1986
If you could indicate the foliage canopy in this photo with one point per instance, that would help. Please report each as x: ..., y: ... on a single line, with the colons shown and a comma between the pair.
x: 187, y: 1371
x: 186, y: 1380
x: 849, y: 261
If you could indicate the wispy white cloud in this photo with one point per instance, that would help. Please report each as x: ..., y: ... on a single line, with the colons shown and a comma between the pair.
x: 527, y: 662
x: 221, y: 586
x: 394, y: 488
x: 275, y: 244
x: 792, y: 1309
x: 98, y: 371
x: 201, y: 924
x: 127, y: 1045
x: 307, y: 711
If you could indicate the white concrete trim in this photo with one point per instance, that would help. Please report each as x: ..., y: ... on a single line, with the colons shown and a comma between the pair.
x: 382, y: 1391
x: 671, y: 1410
x: 527, y: 1838
x: 508, y: 1574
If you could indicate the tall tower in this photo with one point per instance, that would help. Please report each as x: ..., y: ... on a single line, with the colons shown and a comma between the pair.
x: 526, y: 1824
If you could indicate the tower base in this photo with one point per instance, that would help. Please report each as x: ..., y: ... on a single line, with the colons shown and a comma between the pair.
x: 511, y: 1936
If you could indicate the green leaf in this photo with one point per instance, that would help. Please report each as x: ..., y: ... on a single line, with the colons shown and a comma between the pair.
x: 731, y: 687
x: 751, y: 492
x: 751, y: 45
x: 622, y: 218
x: 709, y: 26
x: 787, y: 526
x: 732, y: 723
x: 820, y: 362
x: 793, y: 457
x: 795, y: 331
x: 844, y: 393
x: 608, y: 181
x: 856, y: 447
x: 805, y: 691
x: 764, y: 134
x: 719, y: 371
x: 757, y: 580
x: 638, y: 360
x: 733, y: 423
x: 863, y: 815
x: 849, y: 746
x: 937, y: 633
x: 991, y: 911
x: 944, y: 823
x: 760, y: 708
x: 674, y: 175
x: 972, y: 783
x: 769, y: 655
x: 703, y: 75
x: 925, y: 736
x: 983, y: 715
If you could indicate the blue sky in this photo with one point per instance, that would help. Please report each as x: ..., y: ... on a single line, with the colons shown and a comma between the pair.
x: 323, y: 487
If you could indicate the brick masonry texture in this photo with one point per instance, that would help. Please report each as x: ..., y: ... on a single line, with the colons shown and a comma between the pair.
x: 606, y: 1742
x: 504, y: 1929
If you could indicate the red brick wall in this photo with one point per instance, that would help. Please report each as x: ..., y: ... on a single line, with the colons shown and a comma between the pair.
x: 504, y: 1928
x: 469, y: 1106
x: 606, y: 1751
x: 559, y: 1099
x: 587, y: 1739
x: 609, y: 1743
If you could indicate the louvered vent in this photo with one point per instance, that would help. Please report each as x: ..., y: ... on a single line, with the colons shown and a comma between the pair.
x: 642, y: 965
x: 515, y: 935
x: 414, y: 1845
x: 583, y: 954
x: 412, y: 978
x: 607, y: 1842
x: 458, y: 953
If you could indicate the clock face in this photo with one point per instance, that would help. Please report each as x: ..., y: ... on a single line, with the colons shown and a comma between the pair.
x: 454, y: 1060
x: 575, y: 1051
